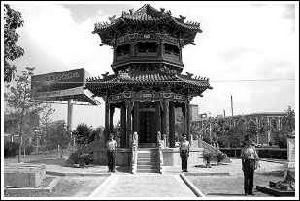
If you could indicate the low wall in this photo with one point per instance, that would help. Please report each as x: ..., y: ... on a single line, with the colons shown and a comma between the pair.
x: 24, y: 175
x: 276, y: 153
x: 171, y: 157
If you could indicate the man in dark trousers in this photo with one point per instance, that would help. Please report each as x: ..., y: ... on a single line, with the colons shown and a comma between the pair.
x: 184, y: 152
x: 111, y: 153
x: 249, y: 161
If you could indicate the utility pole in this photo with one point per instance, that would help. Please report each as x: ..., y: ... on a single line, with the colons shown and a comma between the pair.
x: 231, y: 105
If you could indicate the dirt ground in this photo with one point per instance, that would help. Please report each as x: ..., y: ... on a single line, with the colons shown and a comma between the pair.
x: 233, y: 185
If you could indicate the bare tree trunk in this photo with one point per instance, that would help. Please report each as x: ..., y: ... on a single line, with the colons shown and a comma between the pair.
x: 20, y: 136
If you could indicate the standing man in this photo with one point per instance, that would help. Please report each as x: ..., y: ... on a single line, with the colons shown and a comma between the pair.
x: 111, y: 153
x: 249, y: 161
x: 184, y: 152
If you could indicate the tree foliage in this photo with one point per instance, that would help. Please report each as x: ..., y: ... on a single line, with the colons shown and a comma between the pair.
x: 84, y: 135
x: 12, y: 21
x: 20, y: 100
x: 57, y: 134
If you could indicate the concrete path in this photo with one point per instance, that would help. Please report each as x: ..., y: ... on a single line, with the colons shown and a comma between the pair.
x: 143, y: 185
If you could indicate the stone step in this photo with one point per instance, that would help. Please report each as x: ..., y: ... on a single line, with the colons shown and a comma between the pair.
x: 147, y: 157
x: 153, y: 163
x: 146, y: 166
x: 152, y: 160
x: 148, y: 171
x: 147, y: 145
x: 147, y: 151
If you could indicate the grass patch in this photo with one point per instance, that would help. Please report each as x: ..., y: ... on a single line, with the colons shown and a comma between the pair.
x: 68, y: 187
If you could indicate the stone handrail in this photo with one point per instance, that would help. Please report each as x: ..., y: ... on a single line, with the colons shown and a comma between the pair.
x: 134, y: 159
x: 134, y: 155
x: 209, y: 147
x: 160, y: 156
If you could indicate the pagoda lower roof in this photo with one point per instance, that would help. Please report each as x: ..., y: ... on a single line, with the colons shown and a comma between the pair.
x: 118, y: 82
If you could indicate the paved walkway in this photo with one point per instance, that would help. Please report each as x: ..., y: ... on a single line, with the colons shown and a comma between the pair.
x: 143, y: 185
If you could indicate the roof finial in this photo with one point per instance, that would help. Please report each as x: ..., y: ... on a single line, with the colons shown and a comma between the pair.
x: 113, y: 18
x: 182, y: 18
x: 130, y: 11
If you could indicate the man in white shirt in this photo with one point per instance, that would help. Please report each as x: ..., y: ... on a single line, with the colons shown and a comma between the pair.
x: 249, y: 160
x: 184, y: 152
x: 111, y: 146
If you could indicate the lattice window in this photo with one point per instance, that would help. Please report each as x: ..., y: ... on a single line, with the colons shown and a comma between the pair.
x: 171, y: 49
x: 123, y: 50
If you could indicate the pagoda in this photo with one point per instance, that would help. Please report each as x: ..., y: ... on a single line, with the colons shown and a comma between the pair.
x: 147, y: 84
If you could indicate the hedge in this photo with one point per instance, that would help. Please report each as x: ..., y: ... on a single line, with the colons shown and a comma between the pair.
x: 276, y: 153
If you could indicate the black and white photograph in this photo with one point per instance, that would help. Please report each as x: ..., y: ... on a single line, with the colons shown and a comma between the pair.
x: 139, y: 100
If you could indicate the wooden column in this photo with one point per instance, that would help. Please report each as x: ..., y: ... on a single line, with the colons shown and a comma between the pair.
x: 111, y: 117
x: 172, y: 125
x: 123, y: 126
x: 132, y: 49
x: 136, y: 117
x: 158, y: 116
x: 161, y: 50
x: 107, y: 105
x: 188, y: 121
x: 166, y: 121
x: 184, y: 118
x: 70, y: 115
x: 128, y: 123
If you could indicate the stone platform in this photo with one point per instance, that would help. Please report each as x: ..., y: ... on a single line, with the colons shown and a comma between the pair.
x: 24, y: 175
x: 275, y: 191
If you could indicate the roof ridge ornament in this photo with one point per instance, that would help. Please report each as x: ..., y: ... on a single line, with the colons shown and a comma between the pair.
x: 112, y: 18
x: 189, y: 75
x: 182, y: 18
x: 105, y: 75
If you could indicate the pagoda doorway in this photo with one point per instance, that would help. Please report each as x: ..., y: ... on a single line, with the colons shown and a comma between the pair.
x: 147, y: 125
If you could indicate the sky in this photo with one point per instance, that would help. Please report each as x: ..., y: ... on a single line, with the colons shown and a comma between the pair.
x: 240, y: 41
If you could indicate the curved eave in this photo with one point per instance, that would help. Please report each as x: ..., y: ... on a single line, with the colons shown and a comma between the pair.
x: 102, y: 88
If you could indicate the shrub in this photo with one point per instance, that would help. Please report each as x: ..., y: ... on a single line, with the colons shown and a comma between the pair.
x: 80, y: 157
x: 208, y: 156
x: 272, y: 153
x: 220, y: 156
x: 11, y: 149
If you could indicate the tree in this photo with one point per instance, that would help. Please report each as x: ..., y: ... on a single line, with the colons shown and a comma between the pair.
x: 19, y: 98
x: 83, y: 135
x: 45, y: 121
x: 57, y: 134
x: 288, y: 121
x: 12, y: 51
x: 288, y: 126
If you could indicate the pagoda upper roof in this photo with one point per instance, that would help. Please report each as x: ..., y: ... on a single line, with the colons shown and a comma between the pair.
x: 195, y: 85
x: 147, y: 15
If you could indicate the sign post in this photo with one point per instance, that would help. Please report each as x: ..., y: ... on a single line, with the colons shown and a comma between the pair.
x: 63, y: 86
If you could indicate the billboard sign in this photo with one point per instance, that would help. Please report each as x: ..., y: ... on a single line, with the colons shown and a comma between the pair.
x: 58, y: 81
x: 62, y: 86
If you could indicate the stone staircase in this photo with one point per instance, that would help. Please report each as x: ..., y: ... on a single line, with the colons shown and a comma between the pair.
x: 147, y: 160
